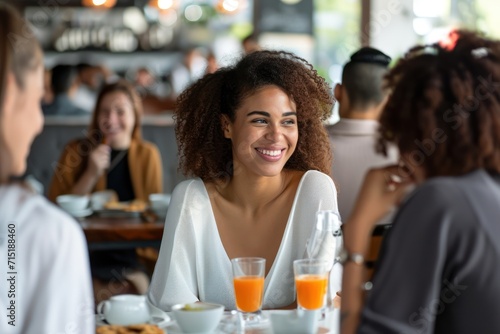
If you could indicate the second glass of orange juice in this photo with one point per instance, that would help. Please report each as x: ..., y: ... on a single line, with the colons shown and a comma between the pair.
x: 248, y: 279
x: 311, y: 281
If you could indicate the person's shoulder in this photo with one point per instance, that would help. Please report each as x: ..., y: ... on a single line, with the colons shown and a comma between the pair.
x: 38, y: 215
x: 190, y: 186
x: 316, y: 176
x: 78, y: 144
x: 190, y: 194
x: 78, y: 111
x: 314, y: 181
x: 435, y: 187
x: 444, y: 195
x: 146, y: 147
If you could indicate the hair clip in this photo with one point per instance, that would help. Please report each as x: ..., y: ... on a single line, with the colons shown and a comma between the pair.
x: 480, y: 52
x: 450, y: 41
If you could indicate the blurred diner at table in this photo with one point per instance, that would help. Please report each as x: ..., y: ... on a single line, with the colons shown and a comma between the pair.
x: 46, y: 286
x: 439, y: 266
x: 63, y: 84
x: 91, y: 79
x: 113, y: 156
x: 252, y: 136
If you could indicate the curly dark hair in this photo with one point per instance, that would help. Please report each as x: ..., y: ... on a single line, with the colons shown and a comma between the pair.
x: 206, y: 153
x: 444, y: 108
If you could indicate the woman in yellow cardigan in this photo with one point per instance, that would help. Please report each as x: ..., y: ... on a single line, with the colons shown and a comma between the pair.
x: 112, y: 156
x: 113, y: 145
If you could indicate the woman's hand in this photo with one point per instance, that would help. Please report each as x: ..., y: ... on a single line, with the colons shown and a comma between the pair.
x: 382, y: 189
x: 99, y: 160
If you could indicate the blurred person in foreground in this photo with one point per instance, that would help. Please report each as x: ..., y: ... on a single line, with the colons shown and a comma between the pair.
x: 353, y: 138
x: 440, y: 263
x: 252, y: 136
x: 46, y: 285
x: 112, y: 156
x: 64, y: 84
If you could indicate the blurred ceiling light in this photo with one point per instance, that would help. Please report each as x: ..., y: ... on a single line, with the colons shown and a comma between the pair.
x: 431, y: 8
x: 99, y: 3
x: 422, y: 26
x: 134, y: 19
x: 163, y: 4
x: 168, y: 18
x: 291, y: 2
x: 193, y: 13
x: 230, y: 6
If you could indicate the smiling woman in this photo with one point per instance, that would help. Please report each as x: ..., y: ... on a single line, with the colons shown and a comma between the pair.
x: 112, y: 156
x: 252, y: 134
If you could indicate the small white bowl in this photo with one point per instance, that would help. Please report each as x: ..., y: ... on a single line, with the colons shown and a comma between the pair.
x: 159, y: 202
x: 99, y: 198
x: 73, y: 203
x: 198, y: 317
x: 295, y: 321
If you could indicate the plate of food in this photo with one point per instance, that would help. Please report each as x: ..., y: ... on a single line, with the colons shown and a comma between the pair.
x: 123, y: 209
x: 131, y: 329
x: 159, y: 321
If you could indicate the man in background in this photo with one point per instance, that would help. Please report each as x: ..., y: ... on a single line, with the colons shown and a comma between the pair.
x: 353, y: 139
x: 64, y: 85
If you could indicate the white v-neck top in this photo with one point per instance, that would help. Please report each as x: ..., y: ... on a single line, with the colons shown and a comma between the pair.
x: 193, y: 264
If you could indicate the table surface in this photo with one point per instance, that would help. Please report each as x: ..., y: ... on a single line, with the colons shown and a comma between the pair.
x: 116, y: 233
x: 229, y: 324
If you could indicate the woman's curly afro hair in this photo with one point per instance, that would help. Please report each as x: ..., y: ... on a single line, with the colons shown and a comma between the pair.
x: 206, y: 153
x: 444, y: 108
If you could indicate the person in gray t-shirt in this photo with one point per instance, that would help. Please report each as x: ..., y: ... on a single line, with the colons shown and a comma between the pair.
x: 439, y: 269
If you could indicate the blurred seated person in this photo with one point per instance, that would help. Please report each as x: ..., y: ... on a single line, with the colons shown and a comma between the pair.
x: 48, y: 95
x: 191, y: 68
x: 91, y: 79
x: 353, y: 138
x: 440, y: 263
x: 48, y: 289
x: 63, y: 85
x: 250, y: 44
x: 152, y: 89
x: 113, y: 156
x: 212, y: 64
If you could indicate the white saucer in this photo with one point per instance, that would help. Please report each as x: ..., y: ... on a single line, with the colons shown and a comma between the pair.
x: 80, y: 213
x: 158, y: 318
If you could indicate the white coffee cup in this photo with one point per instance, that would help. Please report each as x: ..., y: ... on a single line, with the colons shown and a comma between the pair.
x: 73, y: 203
x: 159, y: 202
x: 125, y: 310
x: 295, y: 321
x: 99, y: 198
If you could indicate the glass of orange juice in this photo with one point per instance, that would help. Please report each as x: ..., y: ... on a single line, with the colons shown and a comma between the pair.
x: 311, y: 281
x: 248, y: 279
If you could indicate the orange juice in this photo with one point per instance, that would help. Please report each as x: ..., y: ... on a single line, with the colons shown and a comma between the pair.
x: 248, y: 291
x: 311, y: 291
